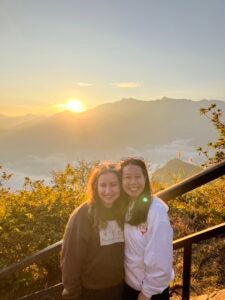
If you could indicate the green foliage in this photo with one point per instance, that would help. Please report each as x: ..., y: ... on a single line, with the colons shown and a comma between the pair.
x: 192, y: 212
x: 35, y: 217
x: 214, y: 114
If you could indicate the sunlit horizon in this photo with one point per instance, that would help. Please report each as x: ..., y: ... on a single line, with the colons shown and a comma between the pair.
x: 72, y: 105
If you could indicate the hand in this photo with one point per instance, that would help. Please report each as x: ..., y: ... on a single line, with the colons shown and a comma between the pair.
x: 142, y: 297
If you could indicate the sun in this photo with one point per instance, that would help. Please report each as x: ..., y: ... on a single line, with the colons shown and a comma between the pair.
x: 73, y: 105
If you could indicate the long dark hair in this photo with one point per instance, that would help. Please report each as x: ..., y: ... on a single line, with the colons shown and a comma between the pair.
x: 97, y: 212
x: 142, y: 204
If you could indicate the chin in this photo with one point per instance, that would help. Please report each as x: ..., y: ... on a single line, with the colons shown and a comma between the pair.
x: 134, y: 195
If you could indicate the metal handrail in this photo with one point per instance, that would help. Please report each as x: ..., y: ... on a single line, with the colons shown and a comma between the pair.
x: 38, y: 256
x: 193, y: 182
x: 199, y: 236
x: 186, y: 243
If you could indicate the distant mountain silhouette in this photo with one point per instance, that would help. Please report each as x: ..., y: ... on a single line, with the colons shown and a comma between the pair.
x: 175, y: 171
x: 8, y: 122
x: 109, y: 130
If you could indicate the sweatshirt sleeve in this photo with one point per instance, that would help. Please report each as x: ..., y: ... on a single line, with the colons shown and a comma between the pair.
x: 73, y: 252
x: 158, y: 256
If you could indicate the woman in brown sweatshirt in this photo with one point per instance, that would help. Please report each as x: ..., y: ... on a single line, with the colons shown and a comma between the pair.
x: 93, y: 246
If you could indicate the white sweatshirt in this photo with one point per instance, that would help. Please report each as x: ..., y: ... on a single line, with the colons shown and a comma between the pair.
x: 149, y: 251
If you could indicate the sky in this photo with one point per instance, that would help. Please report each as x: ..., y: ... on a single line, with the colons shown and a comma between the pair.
x: 102, y: 51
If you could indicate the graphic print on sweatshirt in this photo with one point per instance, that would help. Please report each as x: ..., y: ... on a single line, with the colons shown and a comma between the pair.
x: 111, y: 234
x: 143, y: 227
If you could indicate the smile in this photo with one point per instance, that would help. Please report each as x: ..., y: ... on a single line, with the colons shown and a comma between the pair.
x: 134, y: 189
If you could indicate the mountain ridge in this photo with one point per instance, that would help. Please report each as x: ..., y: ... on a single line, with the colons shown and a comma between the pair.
x: 110, y: 131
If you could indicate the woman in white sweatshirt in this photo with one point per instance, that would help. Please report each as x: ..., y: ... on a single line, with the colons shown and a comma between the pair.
x: 148, y: 237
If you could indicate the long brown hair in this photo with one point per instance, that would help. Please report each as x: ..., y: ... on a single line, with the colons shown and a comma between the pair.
x: 141, y: 206
x: 98, y: 213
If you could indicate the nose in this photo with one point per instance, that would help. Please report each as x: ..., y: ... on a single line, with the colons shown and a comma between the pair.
x: 108, y: 190
x: 132, y: 180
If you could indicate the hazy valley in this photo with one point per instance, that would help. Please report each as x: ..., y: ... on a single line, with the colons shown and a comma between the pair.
x: 156, y: 130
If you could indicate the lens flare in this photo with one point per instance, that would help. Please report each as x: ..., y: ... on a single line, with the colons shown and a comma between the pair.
x: 145, y: 199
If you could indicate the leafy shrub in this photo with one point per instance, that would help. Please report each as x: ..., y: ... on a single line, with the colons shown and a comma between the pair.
x: 34, y: 218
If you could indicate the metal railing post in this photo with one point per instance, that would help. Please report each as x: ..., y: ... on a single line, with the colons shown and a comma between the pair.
x: 186, y: 271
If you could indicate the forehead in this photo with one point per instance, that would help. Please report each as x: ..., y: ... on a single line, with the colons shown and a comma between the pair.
x: 109, y: 176
x: 132, y: 169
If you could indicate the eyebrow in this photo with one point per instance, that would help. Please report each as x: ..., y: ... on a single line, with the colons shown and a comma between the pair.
x: 128, y: 173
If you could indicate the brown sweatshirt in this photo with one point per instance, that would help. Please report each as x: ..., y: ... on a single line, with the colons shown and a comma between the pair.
x: 91, y: 258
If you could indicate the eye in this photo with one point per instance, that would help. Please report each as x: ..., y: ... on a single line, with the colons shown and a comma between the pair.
x: 102, y: 185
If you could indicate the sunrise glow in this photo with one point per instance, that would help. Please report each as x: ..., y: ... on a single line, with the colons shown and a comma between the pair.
x: 73, y: 105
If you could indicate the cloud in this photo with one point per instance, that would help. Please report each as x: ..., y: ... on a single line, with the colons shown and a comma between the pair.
x: 127, y: 85
x: 83, y: 84
x: 158, y: 155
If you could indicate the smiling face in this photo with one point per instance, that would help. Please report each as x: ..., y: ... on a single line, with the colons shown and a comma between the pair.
x: 108, y: 188
x: 133, y: 180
